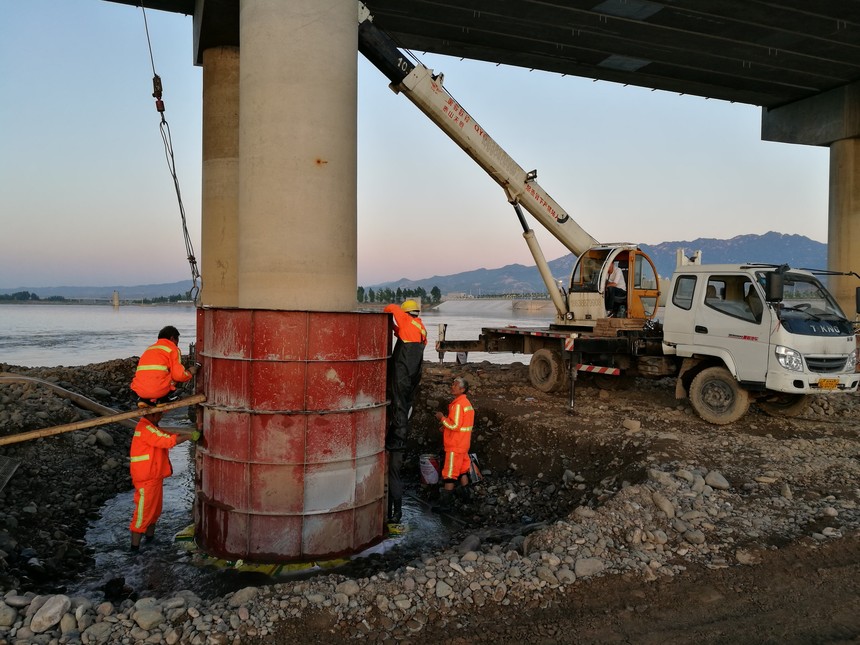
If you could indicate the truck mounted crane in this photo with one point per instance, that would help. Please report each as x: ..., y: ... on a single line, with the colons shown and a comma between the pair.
x: 729, y: 334
x: 582, y: 304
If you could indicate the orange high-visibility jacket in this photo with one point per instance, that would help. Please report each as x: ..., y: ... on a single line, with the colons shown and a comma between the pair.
x: 409, y: 329
x: 457, y: 433
x: 159, y: 366
x: 149, y: 452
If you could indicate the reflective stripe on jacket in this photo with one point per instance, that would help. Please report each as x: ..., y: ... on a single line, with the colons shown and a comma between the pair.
x: 149, y: 452
x: 409, y: 329
x: 159, y: 366
x: 457, y: 432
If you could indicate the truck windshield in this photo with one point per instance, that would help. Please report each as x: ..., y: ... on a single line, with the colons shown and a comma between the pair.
x: 808, y: 308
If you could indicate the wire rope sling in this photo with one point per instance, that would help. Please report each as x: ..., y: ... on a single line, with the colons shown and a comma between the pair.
x: 164, y: 127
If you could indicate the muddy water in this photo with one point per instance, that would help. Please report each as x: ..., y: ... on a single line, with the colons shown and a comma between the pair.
x: 167, y: 565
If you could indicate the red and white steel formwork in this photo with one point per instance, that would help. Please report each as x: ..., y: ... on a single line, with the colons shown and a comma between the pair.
x: 292, y: 465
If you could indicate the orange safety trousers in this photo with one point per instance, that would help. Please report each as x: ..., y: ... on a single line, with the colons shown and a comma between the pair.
x: 456, y: 464
x: 148, y: 496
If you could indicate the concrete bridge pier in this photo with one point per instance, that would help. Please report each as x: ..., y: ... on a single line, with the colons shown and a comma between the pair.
x: 843, y: 223
x: 831, y: 119
x: 292, y: 466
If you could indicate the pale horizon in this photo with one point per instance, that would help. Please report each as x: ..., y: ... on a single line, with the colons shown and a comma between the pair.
x: 371, y: 284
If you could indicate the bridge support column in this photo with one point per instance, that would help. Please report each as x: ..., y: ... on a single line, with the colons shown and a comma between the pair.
x: 292, y: 464
x: 843, y: 231
x: 298, y: 150
x: 220, y: 175
x: 830, y: 119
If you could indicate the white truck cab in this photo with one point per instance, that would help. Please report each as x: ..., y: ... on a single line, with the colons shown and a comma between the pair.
x: 753, y: 331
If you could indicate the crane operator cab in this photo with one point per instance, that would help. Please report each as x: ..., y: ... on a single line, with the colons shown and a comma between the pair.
x: 635, y: 295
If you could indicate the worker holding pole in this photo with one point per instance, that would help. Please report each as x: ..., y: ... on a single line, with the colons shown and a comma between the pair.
x: 150, y: 464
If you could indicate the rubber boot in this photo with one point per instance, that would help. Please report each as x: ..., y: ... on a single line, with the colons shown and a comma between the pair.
x: 463, y: 493
x: 445, y: 503
x: 395, y: 511
x: 134, y: 547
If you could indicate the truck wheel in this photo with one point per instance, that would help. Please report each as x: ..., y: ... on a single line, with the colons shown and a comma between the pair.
x: 717, y: 397
x: 546, y: 370
x: 785, y: 405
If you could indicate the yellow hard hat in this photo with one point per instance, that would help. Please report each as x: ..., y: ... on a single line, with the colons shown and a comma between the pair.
x: 410, y: 306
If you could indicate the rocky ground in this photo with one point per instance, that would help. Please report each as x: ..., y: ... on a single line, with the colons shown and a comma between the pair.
x: 629, y: 520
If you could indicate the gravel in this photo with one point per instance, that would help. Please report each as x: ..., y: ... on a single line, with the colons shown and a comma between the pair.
x: 633, y: 483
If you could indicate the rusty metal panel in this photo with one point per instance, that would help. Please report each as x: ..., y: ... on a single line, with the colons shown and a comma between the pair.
x: 278, y: 438
x: 329, y: 487
x: 227, y: 332
x: 272, y: 537
x: 277, y: 386
x: 227, y: 382
x: 330, y: 437
x: 369, y: 486
x: 329, y: 534
x: 366, y: 524
x: 277, y: 489
x: 332, y: 336
x: 374, y: 338
x: 293, y: 466
x: 280, y: 335
x: 370, y: 382
x: 227, y: 435
x: 368, y: 439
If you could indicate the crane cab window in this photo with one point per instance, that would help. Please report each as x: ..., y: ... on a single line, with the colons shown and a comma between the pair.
x: 586, y: 275
x: 645, y: 284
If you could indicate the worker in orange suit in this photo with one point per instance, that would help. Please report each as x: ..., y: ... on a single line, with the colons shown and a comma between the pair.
x: 160, y: 369
x: 404, y: 375
x: 150, y: 464
x: 456, y: 440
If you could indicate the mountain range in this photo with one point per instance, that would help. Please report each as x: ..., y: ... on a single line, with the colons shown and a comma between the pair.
x: 772, y: 247
x: 776, y: 248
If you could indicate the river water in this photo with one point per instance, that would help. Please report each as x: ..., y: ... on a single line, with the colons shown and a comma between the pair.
x: 47, y: 335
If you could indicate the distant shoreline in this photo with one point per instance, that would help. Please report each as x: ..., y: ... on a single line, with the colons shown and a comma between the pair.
x: 97, y: 303
x: 466, y: 304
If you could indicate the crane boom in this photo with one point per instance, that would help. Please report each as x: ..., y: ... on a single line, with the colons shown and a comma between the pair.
x: 426, y: 90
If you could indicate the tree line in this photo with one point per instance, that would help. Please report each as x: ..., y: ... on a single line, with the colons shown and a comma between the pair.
x: 27, y: 296
x: 387, y: 295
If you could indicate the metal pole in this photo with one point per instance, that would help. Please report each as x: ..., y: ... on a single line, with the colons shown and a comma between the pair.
x: 572, y: 363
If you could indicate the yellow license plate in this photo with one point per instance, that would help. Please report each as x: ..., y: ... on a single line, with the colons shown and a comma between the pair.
x: 828, y: 383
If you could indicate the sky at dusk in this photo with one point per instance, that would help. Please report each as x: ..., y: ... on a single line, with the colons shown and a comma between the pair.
x: 86, y: 198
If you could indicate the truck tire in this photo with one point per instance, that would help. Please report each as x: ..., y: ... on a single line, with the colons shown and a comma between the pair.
x: 717, y: 397
x: 785, y: 405
x: 546, y: 370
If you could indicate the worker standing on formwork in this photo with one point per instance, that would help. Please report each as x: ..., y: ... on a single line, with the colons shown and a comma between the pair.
x: 404, y: 375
